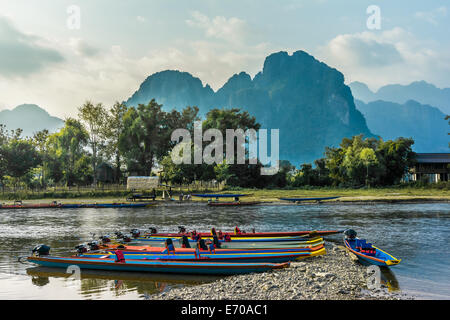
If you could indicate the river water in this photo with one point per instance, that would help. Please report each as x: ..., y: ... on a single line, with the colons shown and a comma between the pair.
x: 416, y: 233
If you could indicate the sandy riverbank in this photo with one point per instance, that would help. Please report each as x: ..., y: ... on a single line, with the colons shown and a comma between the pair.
x: 334, y: 276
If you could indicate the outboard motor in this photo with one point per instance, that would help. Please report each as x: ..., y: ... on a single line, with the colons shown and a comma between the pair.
x: 152, y: 230
x: 126, y: 239
x: 184, y: 241
x: 81, y: 249
x: 169, y: 245
x: 119, y: 235
x: 135, y: 233
x: 41, y: 250
x: 93, y: 245
x: 168, y: 242
x: 213, y: 232
x: 216, y: 242
x: 350, y: 234
x: 181, y: 229
x: 105, y: 239
x: 202, y: 244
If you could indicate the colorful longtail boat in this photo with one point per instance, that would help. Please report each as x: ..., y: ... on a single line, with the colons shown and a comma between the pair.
x: 242, y: 234
x: 367, y: 253
x: 259, y: 242
x: 159, y: 266
x: 277, y: 257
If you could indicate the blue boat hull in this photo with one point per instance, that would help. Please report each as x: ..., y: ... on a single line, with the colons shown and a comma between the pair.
x: 217, y: 257
x: 380, y: 258
x: 157, y: 266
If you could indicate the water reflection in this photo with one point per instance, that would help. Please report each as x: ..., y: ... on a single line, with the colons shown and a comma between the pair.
x: 404, y: 230
x: 93, y: 282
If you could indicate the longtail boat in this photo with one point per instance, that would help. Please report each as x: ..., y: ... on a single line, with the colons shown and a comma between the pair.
x: 217, y: 203
x: 237, y: 233
x: 159, y: 250
x: 317, y: 199
x: 20, y: 205
x: 278, y: 257
x: 259, y: 242
x: 159, y: 266
x: 74, y: 205
x: 232, y: 203
x: 367, y: 253
x: 106, y: 205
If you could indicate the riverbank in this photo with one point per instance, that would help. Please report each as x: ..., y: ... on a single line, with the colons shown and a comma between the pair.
x: 334, y: 276
x: 437, y: 193
x: 263, y: 200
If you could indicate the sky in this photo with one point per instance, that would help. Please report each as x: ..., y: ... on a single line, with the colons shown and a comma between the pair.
x: 58, y: 53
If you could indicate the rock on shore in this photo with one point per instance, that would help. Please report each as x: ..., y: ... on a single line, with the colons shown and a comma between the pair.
x: 333, y: 276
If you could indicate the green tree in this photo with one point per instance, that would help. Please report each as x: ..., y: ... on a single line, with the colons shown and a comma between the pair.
x: 67, y: 154
x: 112, y: 130
x: 20, y: 157
x: 40, y: 141
x: 368, y: 158
x: 146, y: 135
x: 94, y: 117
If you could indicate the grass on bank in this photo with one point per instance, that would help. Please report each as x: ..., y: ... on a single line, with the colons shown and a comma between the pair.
x: 439, y: 191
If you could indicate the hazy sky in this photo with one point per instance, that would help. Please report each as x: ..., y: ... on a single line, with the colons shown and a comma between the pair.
x: 51, y: 58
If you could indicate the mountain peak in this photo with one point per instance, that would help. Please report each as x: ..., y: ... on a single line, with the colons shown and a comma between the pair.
x: 30, y: 118
x: 420, y: 91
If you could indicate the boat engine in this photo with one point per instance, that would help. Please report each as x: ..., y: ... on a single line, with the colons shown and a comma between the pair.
x: 82, y: 248
x: 216, y: 242
x: 202, y: 244
x: 126, y: 239
x: 350, y: 234
x: 119, y: 235
x: 184, y: 242
x: 181, y: 229
x: 135, y: 233
x: 41, y: 250
x: 93, y: 245
x: 105, y: 239
x: 152, y: 230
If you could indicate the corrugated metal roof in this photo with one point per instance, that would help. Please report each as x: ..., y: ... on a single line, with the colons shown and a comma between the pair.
x: 433, y: 157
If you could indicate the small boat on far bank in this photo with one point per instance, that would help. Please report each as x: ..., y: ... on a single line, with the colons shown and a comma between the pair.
x: 317, y: 199
x: 367, y: 253
x: 56, y: 205
x: 232, y: 203
x: 107, y: 205
x: 216, y: 203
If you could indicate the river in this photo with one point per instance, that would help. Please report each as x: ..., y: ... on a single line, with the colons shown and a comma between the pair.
x: 416, y: 233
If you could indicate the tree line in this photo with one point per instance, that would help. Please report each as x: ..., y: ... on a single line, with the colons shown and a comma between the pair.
x: 107, y: 144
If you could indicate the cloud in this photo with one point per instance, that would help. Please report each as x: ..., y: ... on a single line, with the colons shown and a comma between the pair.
x: 141, y: 19
x: 364, y: 49
x: 82, y: 48
x: 232, y: 29
x: 114, y: 73
x: 391, y: 56
x: 432, y: 16
x: 22, y: 54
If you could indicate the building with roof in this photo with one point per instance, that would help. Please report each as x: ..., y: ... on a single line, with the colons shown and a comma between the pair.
x: 433, y: 167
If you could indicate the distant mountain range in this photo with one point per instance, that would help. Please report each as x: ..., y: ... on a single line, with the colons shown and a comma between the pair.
x: 419, y: 91
x: 30, y: 118
x: 424, y: 123
x: 303, y: 97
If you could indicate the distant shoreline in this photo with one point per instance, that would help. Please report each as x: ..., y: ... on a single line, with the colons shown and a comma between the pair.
x: 263, y: 202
